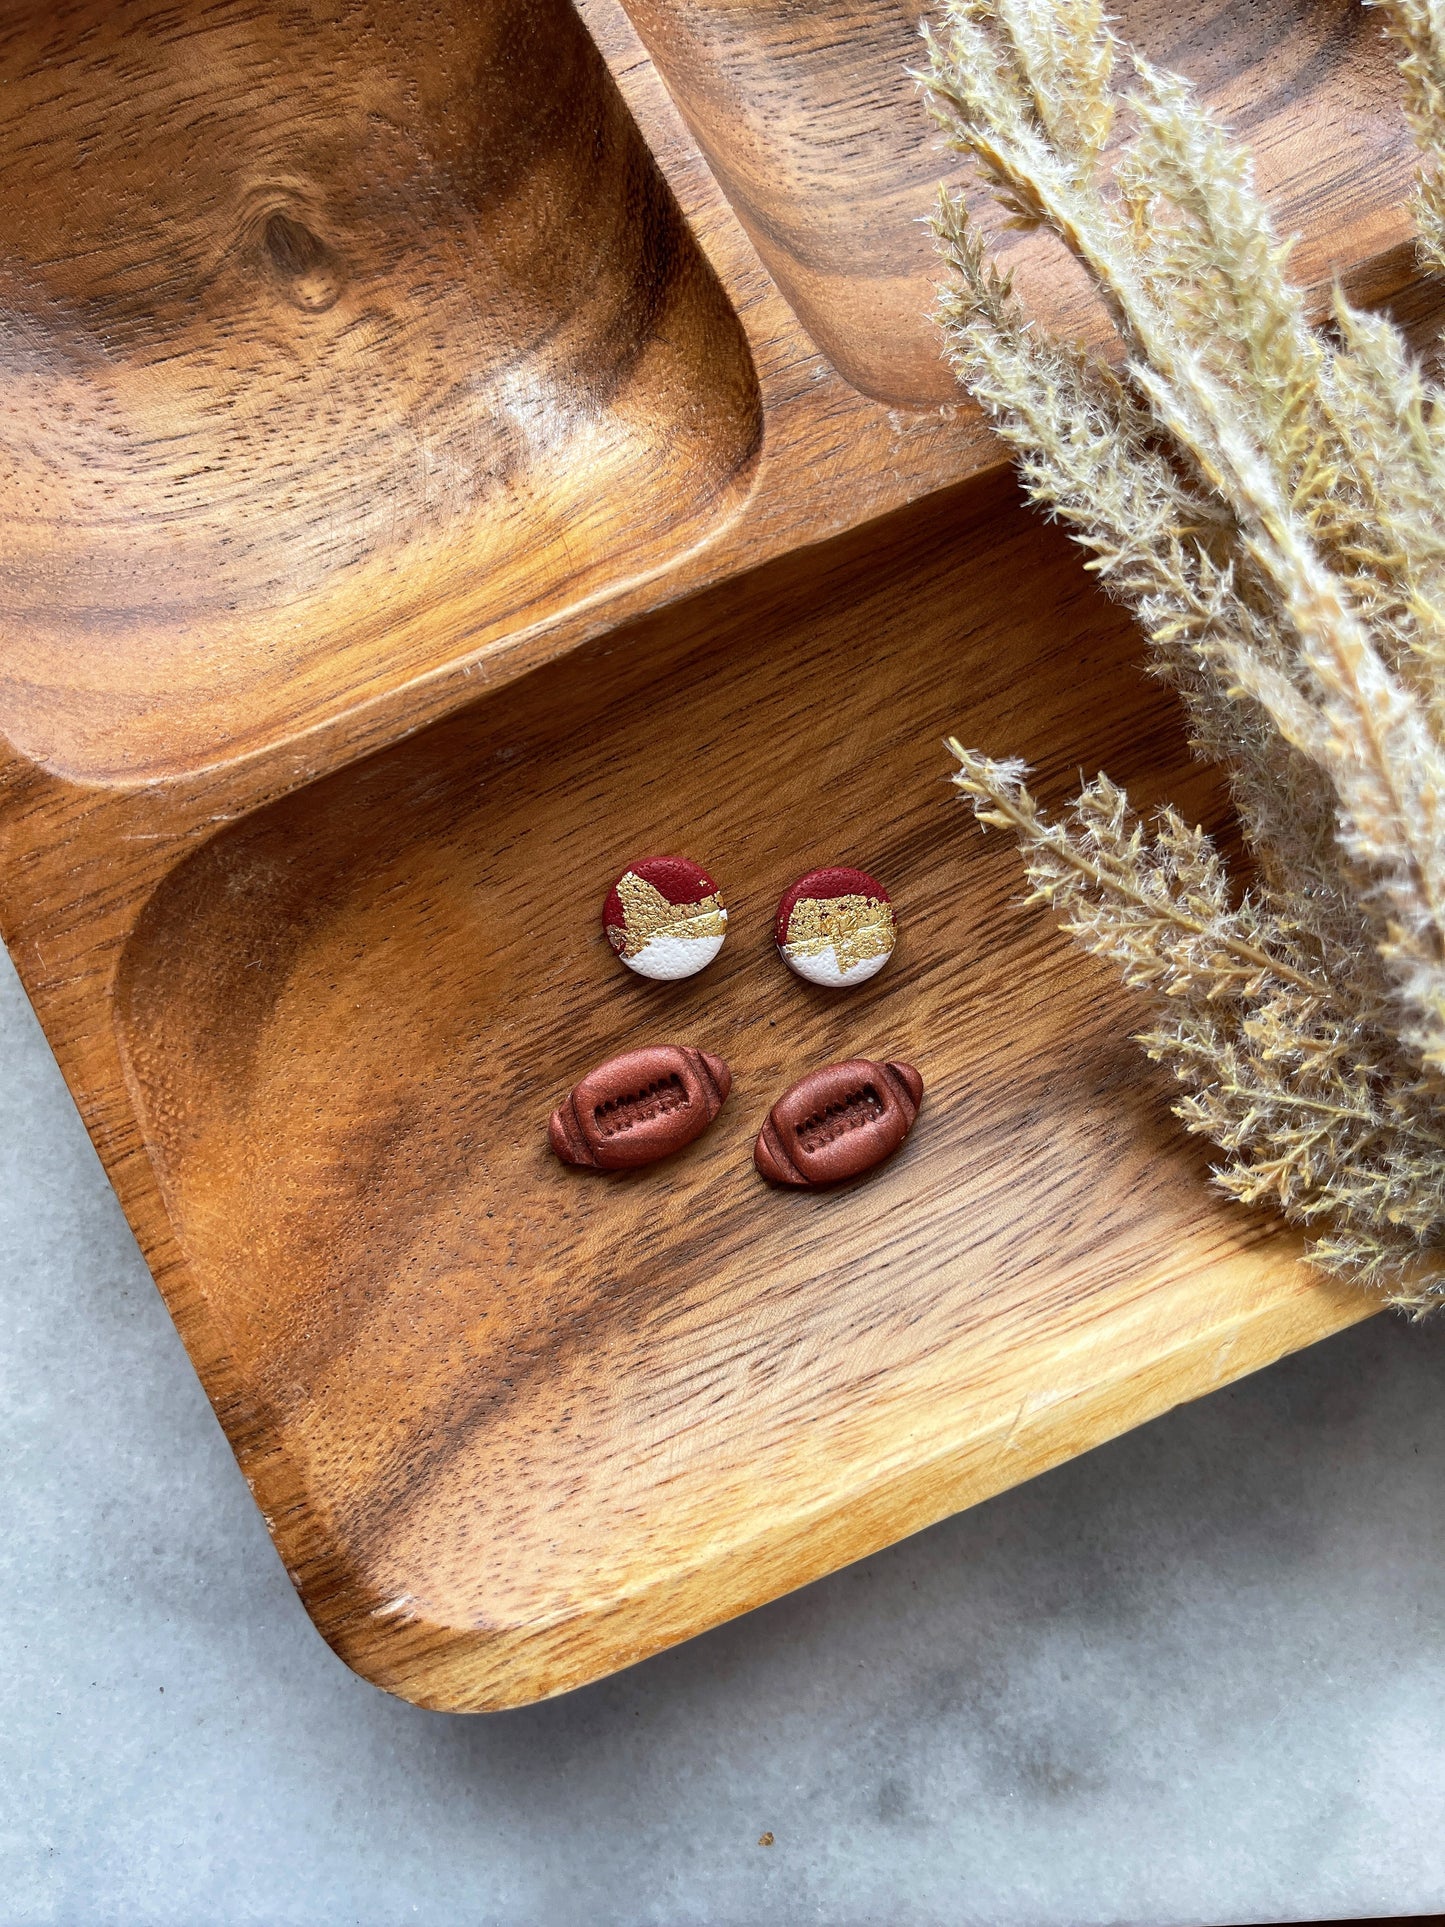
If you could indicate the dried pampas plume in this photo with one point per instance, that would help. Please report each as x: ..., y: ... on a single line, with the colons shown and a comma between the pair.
x: 1268, y: 498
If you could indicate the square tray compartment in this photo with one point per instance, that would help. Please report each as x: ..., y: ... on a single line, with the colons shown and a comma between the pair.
x: 821, y: 141
x: 342, y: 339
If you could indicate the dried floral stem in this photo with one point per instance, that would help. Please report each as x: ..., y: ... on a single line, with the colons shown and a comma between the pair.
x: 997, y: 807
x: 1266, y: 496
x: 1418, y: 28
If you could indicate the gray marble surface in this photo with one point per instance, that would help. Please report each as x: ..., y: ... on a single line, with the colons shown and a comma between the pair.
x: 1198, y: 1675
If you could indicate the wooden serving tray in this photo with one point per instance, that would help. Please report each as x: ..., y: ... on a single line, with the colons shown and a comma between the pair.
x: 450, y: 451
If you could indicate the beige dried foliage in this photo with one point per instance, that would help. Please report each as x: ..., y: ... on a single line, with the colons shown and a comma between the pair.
x: 1268, y: 497
x: 1418, y: 29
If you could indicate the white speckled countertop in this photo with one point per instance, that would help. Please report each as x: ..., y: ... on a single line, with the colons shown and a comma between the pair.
x: 1196, y: 1676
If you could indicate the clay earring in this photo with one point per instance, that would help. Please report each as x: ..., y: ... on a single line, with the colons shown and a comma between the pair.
x: 639, y: 1107
x: 838, y: 1122
x: 835, y: 927
x: 665, y: 918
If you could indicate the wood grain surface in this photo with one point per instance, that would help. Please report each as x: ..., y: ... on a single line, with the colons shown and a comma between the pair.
x: 332, y: 328
x: 418, y: 498
x: 529, y: 1402
x: 809, y: 119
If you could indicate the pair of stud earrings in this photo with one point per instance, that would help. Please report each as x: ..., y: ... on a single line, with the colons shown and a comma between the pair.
x: 666, y: 919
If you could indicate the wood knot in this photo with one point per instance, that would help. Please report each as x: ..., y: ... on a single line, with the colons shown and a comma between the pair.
x: 302, y: 262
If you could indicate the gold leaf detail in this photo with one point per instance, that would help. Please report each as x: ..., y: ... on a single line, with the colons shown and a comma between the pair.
x: 647, y: 914
x: 854, y: 928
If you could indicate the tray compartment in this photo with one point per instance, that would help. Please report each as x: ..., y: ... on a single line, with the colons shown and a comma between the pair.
x: 538, y: 1422
x: 337, y: 339
x: 822, y: 145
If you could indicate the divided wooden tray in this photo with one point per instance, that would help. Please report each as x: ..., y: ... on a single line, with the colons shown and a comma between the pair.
x: 447, y: 452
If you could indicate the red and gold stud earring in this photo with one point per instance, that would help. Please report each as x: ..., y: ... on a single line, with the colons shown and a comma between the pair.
x: 665, y: 918
x: 835, y: 927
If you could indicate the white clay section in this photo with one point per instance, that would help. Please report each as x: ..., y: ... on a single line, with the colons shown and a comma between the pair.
x: 822, y: 967
x: 665, y: 959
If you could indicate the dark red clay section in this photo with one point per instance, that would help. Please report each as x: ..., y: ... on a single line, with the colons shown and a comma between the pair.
x: 676, y: 878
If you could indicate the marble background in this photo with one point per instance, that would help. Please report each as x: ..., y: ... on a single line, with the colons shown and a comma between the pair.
x: 1196, y: 1676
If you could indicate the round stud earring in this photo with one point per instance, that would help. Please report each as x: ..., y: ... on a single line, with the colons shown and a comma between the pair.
x: 835, y: 927
x: 665, y: 918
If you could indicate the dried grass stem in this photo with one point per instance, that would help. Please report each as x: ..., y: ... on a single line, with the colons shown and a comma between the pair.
x: 1266, y: 496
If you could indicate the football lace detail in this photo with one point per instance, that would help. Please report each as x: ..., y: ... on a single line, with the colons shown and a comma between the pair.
x: 631, y: 1108
x: 859, y: 1107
